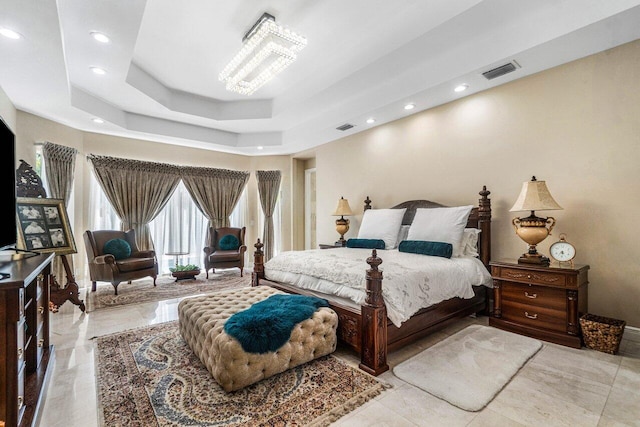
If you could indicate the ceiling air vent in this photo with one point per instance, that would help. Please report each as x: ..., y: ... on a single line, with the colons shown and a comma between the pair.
x: 501, y: 70
x: 345, y: 126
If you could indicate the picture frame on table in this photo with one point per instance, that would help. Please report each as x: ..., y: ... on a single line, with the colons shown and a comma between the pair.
x: 43, y: 226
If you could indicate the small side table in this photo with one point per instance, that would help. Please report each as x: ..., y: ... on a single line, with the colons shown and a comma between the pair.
x: 331, y: 246
x: 177, y: 255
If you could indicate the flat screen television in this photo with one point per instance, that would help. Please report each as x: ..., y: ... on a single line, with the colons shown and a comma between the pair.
x: 8, y: 229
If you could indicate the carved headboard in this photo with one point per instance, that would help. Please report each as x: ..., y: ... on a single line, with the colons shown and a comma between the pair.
x: 480, y: 218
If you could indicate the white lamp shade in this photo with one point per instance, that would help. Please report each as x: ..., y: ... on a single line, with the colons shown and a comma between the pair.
x: 343, y: 208
x: 535, y: 196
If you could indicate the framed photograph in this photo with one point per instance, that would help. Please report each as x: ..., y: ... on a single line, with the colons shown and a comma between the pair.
x: 43, y: 226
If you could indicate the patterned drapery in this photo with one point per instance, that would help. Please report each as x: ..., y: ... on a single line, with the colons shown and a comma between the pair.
x: 137, y: 190
x: 268, y: 189
x: 59, y: 166
x: 215, y: 191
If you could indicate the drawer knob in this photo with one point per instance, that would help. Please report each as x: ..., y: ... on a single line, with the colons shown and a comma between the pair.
x: 528, y: 295
x: 528, y: 276
x: 530, y: 316
x: 40, y: 309
x: 20, y: 353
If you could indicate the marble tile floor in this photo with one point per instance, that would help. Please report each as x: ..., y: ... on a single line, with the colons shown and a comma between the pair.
x: 559, y: 386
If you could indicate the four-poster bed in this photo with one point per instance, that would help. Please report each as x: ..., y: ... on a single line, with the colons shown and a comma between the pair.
x: 367, y: 328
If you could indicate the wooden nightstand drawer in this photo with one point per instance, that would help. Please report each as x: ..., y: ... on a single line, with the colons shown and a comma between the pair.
x: 536, y: 277
x: 538, y: 296
x: 537, y: 317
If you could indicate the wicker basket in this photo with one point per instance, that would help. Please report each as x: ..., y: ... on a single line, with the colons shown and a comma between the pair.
x: 602, y: 333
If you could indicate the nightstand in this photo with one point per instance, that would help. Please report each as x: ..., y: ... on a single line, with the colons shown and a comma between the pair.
x: 334, y: 245
x: 540, y: 302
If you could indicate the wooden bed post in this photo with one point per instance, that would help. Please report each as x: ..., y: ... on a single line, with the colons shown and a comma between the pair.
x: 373, y: 358
x: 258, y: 265
x: 367, y: 204
x: 484, y: 224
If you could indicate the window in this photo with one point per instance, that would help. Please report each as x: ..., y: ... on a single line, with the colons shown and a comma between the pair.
x: 178, y: 232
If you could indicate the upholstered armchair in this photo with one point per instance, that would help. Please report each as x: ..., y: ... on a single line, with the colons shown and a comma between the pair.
x: 114, y: 257
x: 226, y: 249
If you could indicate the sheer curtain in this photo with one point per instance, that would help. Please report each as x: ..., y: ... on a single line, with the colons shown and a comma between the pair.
x: 179, y: 227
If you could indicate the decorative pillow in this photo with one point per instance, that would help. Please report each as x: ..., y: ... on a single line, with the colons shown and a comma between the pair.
x: 366, y: 243
x: 426, y: 248
x: 382, y: 224
x: 470, y: 242
x: 119, y: 248
x: 229, y: 242
x: 441, y: 225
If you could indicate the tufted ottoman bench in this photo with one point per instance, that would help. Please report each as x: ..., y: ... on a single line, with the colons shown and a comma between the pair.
x: 202, y: 322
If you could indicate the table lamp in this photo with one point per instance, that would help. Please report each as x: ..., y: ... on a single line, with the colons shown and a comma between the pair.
x: 342, y: 224
x: 534, y: 196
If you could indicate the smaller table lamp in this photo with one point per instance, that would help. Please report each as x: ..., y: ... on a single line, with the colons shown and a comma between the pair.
x: 534, y: 196
x: 342, y: 224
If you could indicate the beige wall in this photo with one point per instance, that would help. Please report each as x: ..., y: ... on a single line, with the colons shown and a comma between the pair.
x: 7, y: 110
x: 576, y: 126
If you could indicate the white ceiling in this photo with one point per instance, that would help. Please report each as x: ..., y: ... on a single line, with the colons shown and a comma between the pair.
x: 364, y: 58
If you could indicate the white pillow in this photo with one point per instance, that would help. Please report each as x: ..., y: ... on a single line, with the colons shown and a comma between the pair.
x: 441, y: 225
x: 470, y: 242
x: 382, y: 224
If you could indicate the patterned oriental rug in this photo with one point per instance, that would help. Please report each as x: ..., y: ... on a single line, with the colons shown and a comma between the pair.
x: 141, y: 291
x: 150, y: 377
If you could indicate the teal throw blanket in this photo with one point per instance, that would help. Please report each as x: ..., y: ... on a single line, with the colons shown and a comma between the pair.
x: 266, y: 325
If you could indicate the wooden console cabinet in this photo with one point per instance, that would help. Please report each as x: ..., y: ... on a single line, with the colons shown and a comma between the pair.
x: 541, y: 302
x: 25, y: 352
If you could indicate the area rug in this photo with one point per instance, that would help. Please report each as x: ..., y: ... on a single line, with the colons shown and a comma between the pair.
x: 469, y: 368
x: 150, y: 377
x: 141, y: 291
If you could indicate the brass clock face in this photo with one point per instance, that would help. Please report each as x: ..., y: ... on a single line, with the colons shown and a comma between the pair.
x: 562, y: 250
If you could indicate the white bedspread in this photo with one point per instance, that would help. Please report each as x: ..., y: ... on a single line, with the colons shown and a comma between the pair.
x: 410, y: 281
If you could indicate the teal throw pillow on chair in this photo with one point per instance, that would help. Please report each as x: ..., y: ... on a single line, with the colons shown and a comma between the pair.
x: 229, y: 242
x: 119, y: 248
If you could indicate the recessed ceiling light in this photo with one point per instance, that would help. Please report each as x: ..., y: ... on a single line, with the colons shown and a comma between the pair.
x: 371, y: 120
x: 98, y: 70
x: 10, y: 34
x: 259, y: 147
x: 102, y: 38
x: 410, y: 106
x: 97, y: 120
x: 461, y: 88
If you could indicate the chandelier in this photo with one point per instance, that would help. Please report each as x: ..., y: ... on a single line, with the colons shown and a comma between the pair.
x: 267, y: 49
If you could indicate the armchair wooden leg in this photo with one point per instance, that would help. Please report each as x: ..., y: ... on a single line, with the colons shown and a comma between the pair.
x: 115, y: 287
x: 154, y: 281
x: 240, y: 271
x: 207, y: 271
x: 93, y: 286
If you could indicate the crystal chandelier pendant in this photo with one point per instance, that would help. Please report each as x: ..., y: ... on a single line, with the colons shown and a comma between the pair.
x: 268, y: 48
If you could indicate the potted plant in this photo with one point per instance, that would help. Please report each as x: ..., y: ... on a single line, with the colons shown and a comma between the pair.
x: 181, y: 272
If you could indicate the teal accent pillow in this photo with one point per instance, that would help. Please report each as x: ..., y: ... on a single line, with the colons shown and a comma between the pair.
x: 423, y: 247
x: 119, y: 248
x: 229, y: 242
x: 366, y: 243
x: 266, y: 325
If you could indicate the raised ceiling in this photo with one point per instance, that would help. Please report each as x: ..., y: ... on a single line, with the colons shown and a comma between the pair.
x: 364, y: 58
